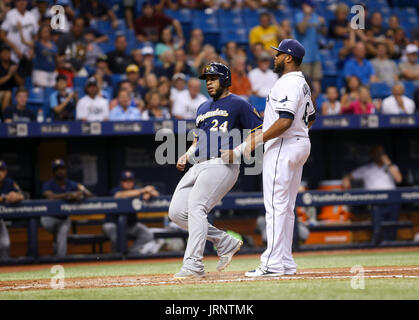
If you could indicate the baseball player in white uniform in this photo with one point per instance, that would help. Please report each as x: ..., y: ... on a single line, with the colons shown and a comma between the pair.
x: 289, y: 113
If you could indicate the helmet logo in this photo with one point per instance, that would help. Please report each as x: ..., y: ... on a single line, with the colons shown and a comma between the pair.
x: 209, y: 69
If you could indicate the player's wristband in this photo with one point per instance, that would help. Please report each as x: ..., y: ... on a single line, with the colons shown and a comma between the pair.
x: 238, y: 151
x: 191, y: 151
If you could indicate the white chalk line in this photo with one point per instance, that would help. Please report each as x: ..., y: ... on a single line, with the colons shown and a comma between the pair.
x: 127, y: 283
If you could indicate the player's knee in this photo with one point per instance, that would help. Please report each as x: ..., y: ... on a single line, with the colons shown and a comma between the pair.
x: 4, y: 243
x: 198, y: 209
x: 173, y: 214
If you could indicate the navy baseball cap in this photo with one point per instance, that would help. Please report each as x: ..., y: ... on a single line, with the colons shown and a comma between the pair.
x: 3, y: 165
x: 57, y: 163
x: 291, y: 47
x: 127, y: 175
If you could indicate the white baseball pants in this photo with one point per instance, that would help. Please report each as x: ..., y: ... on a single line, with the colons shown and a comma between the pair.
x: 282, y: 170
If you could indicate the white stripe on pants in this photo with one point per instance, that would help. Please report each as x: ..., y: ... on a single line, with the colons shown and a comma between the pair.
x: 282, y: 170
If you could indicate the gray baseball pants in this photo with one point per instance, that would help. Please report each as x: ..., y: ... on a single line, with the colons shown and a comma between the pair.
x: 197, y: 193
x: 60, y: 229
x: 140, y: 231
x: 4, y: 241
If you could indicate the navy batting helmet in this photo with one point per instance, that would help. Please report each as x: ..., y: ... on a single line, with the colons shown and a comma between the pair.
x: 218, y: 69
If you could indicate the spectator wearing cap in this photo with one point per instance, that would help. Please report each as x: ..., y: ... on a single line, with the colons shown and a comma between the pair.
x: 72, y: 47
x: 240, y: 83
x: 398, y: 103
x: 188, y: 101
x: 154, y: 109
x: 178, y: 86
x: 92, y: 107
x: 409, y: 70
x: 94, y: 10
x: 267, y: 32
x: 9, y: 193
x: 61, y: 188
x: 124, y: 111
x: 262, y: 78
x: 9, y: 30
x: 359, y: 66
x: 144, y: 242
x: 150, y: 24
x: 63, y: 100
x: 309, y: 26
x: 385, y: 69
x: 19, y: 112
x: 147, y: 66
x: 9, y: 77
x: 93, y: 51
x: 119, y: 59
x: 133, y: 77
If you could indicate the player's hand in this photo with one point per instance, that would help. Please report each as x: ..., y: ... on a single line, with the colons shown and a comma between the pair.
x: 181, y: 163
x: 227, y: 156
x: 385, y: 159
x: 12, y: 197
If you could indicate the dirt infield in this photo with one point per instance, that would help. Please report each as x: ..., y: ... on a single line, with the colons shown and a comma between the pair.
x: 20, y: 268
x: 210, y: 278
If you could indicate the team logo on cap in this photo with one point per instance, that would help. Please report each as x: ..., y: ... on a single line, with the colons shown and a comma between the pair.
x: 209, y: 69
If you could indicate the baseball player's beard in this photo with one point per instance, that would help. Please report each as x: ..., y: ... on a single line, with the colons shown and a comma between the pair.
x: 279, y: 69
x: 218, y: 93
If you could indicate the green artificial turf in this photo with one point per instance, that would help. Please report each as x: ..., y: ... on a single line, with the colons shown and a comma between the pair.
x: 238, y: 264
x: 276, y: 289
x: 259, y: 290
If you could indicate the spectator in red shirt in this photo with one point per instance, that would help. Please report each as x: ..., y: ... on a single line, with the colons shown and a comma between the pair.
x: 240, y: 83
x: 363, y: 105
x: 149, y: 26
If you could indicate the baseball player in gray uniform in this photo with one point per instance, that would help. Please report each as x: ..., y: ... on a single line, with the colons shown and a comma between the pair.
x: 210, y: 178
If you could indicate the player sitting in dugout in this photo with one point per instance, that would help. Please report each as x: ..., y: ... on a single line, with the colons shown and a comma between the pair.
x: 144, y: 242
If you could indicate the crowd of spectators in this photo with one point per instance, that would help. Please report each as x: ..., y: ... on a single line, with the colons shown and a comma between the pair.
x: 91, y: 75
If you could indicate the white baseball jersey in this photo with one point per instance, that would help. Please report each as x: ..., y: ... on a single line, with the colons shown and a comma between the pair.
x: 29, y: 30
x: 292, y: 94
x: 96, y: 109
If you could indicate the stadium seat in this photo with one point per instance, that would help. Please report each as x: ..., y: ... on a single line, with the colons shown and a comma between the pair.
x: 36, y: 95
x: 230, y: 19
x: 329, y: 63
x: 48, y: 113
x: 240, y: 36
x: 409, y: 88
x: 117, y: 78
x: 106, y: 46
x: 182, y: 15
x: 79, y: 81
x: 379, y: 90
x: 258, y: 102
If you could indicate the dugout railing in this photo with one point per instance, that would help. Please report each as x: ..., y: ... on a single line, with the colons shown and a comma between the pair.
x: 31, y: 211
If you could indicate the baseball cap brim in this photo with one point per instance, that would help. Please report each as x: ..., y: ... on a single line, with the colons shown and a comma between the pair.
x: 280, y: 50
x: 204, y: 75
